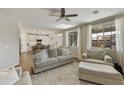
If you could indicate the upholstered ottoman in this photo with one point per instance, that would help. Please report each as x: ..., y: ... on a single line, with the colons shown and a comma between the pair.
x: 99, y: 73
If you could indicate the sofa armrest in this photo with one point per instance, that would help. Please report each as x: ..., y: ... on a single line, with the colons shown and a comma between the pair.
x: 19, y: 71
x: 107, y: 58
x: 84, y: 55
x: 25, y: 79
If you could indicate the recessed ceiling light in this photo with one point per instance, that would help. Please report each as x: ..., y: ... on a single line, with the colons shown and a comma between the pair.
x: 95, y: 12
x: 63, y: 26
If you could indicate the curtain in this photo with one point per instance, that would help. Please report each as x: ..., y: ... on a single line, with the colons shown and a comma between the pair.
x: 79, y: 42
x: 120, y: 40
x: 85, y: 37
x: 89, y: 37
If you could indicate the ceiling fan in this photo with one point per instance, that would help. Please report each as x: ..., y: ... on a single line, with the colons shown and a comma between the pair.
x: 64, y: 16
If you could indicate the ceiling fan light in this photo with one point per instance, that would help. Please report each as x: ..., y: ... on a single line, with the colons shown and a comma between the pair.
x: 64, y: 26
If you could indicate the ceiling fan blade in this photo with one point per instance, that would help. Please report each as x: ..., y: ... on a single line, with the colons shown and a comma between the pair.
x: 67, y: 19
x: 54, y: 15
x: 58, y: 19
x: 71, y: 15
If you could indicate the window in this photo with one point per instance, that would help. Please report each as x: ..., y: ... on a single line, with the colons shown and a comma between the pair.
x: 72, y: 37
x: 103, y: 35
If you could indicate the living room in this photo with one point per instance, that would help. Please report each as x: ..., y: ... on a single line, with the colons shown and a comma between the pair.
x: 67, y: 43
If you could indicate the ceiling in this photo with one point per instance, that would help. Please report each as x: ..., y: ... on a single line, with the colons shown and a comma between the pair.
x: 38, y: 18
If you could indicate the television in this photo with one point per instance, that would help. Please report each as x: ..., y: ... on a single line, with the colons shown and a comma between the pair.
x: 39, y: 40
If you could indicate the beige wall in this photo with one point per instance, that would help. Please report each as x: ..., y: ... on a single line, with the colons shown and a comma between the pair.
x: 64, y: 39
x: 9, y: 41
x: 23, y: 38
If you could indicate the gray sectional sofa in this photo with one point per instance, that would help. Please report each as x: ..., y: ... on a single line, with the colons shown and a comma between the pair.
x: 50, y: 58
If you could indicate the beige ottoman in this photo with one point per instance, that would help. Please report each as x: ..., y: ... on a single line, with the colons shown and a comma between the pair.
x: 99, y: 73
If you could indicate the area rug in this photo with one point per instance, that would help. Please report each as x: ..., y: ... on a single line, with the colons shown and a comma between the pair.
x: 63, y: 75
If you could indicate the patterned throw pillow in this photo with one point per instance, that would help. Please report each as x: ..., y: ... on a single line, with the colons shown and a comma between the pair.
x: 44, y: 55
x: 40, y: 56
x: 36, y: 57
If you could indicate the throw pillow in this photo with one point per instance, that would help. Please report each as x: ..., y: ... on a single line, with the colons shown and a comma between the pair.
x: 52, y: 53
x: 65, y: 52
x: 59, y: 51
x: 44, y: 55
x: 40, y: 56
x: 36, y: 57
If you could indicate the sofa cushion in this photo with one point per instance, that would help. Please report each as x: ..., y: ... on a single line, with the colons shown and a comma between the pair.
x: 100, y: 70
x: 90, y: 60
x: 59, y: 51
x: 52, y: 53
x: 65, y: 58
x: 65, y: 52
x: 46, y: 62
x: 96, y: 53
x: 40, y: 56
